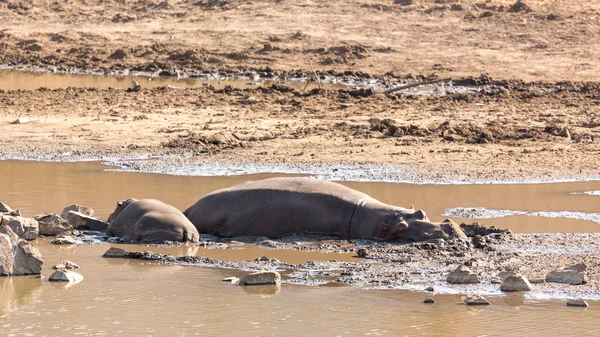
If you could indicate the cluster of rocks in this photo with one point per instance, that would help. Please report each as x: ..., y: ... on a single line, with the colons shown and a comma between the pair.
x: 74, y: 217
x: 64, y: 273
x: 17, y: 256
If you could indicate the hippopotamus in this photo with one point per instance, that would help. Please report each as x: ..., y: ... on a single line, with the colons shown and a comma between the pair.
x: 279, y: 206
x: 150, y: 220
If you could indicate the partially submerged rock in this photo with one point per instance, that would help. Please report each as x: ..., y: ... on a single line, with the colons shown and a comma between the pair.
x: 77, y: 208
x: 577, y: 303
x: 66, y: 265
x: 576, y: 274
x: 64, y: 240
x: 115, y: 252
x: 231, y: 279
x: 476, y: 299
x: 462, y: 275
x: 52, y: 224
x: 82, y: 221
x: 25, y: 228
x: 515, y: 282
x: 65, y: 276
x: 261, y: 278
x: 17, y: 257
x: 429, y: 300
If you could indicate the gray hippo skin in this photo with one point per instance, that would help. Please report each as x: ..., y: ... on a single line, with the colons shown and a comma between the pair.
x: 279, y: 206
x: 150, y: 220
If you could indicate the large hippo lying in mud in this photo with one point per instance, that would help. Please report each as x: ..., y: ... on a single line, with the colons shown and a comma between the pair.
x: 150, y: 220
x: 280, y: 206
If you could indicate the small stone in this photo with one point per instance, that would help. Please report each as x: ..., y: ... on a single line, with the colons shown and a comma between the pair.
x: 4, y: 208
x: 403, y: 2
x: 63, y: 240
x: 118, y: 54
x: 66, y: 265
x: 77, y: 208
x: 462, y: 275
x: 496, y: 280
x: 268, y: 243
x: 577, y: 303
x: 519, y: 6
x: 565, y: 133
x: 362, y: 253
x: 23, y: 120
x: 25, y: 228
x: 476, y: 300
x: 65, y: 276
x: 83, y: 222
x: 114, y: 252
x: 515, y: 282
x: 231, y: 279
x: 52, y: 224
x: 429, y: 300
x: 576, y: 274
x: 430, y: 288
x: 261, y: 277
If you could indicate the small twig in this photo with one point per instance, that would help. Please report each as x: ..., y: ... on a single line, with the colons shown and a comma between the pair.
x: 314, y: 72
x: 412, y: 85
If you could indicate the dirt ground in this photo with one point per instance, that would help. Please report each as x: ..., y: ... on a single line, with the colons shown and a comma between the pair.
x: 510, y: 130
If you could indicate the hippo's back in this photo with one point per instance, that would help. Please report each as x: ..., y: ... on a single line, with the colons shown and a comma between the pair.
x: 275, y: 207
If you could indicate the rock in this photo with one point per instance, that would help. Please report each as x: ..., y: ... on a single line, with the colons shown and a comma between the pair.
x: 25, y: 228
x: 65, y: 276
x: 77, y: 208
x: 18, y: 257
x: 565, y: 133
x: 403, y: 2
x: 576, y: 274
x: 577, y: 303
x: 476, y: 300
x: 231, y: 279
x: 496, y: 280
x: 268, y: 243
x: 23, y: 120
x: 81, y: 221
x: 66, y: 265
x: 260, y: 278
x: 519, y: 6
x: 4, y: 208
x: 52, y: 224
x: 479, y: 241
x: 462, y: 275
x: 430, y: 288
x: 362, y: 253
x: 118, y: 54
x: 63, y: 240
x: 478, y: 229
x: 429, y: 300
x: 115, y: 252
x: 515, y: 282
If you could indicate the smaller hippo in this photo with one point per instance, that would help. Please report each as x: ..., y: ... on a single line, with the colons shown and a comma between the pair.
x: 150, y: 220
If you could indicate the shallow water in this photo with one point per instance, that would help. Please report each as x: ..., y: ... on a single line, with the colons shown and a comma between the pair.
x: 37, y: 187
x: 135, y: 298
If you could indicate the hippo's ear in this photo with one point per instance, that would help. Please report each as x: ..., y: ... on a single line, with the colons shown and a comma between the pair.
x: 419, y: 215
x: 120, y: 203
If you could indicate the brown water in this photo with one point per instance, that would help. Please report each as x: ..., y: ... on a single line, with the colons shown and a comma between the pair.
x: 37, y: 187
x: 136, y: 298
x: 15, y: 80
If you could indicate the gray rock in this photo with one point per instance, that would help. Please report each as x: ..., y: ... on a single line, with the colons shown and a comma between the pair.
x: 429, y: 300
x: 66, y: 265
x: 84, y: 222
x: 576, y: 274
x: 25, y: 228
x: 17, y: 257
x: 462, y: 275
x: 63, y: 240
x: 65, y: 276
x: 52, y: 224
x: 115, y: 252
x: 261, y: 277
x: 476, y: 300
x: 430, y: 288
x: 76, y: 208
x: 23, y: 120
x: 268, y: 243
x: 515, y: 282
x: 577, y: 303
x: 4, y: 208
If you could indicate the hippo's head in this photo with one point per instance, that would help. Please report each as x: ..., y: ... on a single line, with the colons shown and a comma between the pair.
x: 120, y: 207
x: 415, y: 226
x: 396, y: 226
x: 421, y: 230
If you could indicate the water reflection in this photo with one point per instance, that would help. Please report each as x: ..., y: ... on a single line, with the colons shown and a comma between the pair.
x: 17, y: 291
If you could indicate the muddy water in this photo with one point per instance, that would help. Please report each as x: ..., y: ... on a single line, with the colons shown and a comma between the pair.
x: 132, y: 298
x: 136, y: 298
x: 36, y: 187
x: 15, y: 80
